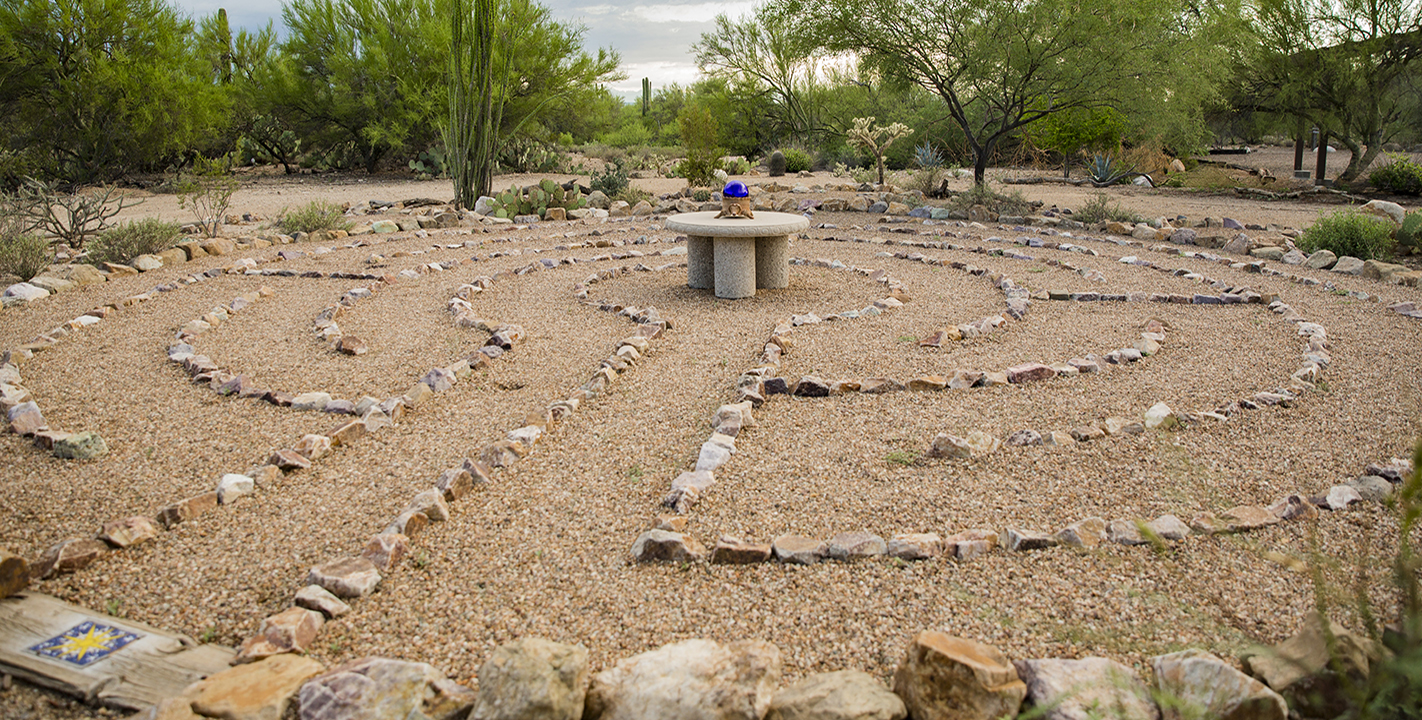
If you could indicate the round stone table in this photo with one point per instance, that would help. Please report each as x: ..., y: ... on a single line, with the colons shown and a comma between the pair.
x: 737, y: 255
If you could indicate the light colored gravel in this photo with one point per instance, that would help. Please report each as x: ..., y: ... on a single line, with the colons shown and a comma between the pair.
x: 543, y: 550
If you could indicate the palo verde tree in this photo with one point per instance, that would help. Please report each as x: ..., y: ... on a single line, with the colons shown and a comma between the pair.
x: 1000, y: 65
x: 91, y: 89
x: 1343, y: 65
x: 366, y: 76
x: 759, y: 54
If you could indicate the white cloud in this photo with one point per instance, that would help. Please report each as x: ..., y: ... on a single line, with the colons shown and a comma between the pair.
x: 597, y: 9
x: 698, y: 12
x: 660, y: 73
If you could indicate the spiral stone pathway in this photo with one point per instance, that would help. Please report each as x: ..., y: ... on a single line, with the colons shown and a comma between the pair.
x: 542, y: 547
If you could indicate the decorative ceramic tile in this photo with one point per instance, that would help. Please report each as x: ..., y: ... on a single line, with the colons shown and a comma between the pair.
x: 85, y: 643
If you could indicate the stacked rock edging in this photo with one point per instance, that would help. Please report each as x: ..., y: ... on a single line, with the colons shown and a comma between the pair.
x: 939, y: 676
x: 669, y: 542
x: 74, y: 554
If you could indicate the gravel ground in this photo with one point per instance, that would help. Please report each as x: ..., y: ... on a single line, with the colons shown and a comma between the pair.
x: 543, y: 550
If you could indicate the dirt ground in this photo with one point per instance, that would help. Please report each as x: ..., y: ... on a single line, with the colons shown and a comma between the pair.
x: 543, y: 550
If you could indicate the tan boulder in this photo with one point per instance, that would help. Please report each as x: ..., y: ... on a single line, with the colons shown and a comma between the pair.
x: 950, y: 678
x: 254, y: 691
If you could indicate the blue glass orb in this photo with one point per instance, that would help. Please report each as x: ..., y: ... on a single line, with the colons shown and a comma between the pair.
x: 736, y: 189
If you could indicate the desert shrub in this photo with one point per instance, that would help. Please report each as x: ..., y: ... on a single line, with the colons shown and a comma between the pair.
x: 207, y: 192
x: 1400, y: 177
x: 797, y: 160
x: 701, y: 195
x: 698, y: 136
x: 630, y: 134
x: 1101, y: 208
x: 632, y: 195
x: 929, y: 177
x: 612, y: 180
x: 1349, y: 232
x: 1010, y: 203
x: 141, y: 237
x: 22, y: 254
x: 313, y: 216
x: 40, y: 205
x: 737, y: 166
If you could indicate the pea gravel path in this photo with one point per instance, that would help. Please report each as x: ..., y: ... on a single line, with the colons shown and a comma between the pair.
x: 543, y: 551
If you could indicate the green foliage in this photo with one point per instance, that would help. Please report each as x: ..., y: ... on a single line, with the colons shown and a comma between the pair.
x: 612, y: 180
x: 1402, y: 176
x: 536, y: 199
x: 92, y: 90
x: 797, y: 160
x: 701, y: 195
x: 371, y: 75
x: 1000, y: 65
x: 1410, y: 234
x: 1079, y: 129
x: 630, y: 133
x: 207, y: 192
x: 777, y: 164
x: 431, y: 162
x: 1346, y: 66
x: 698, y: 138
x: 125, y: 242
x: 1103, y: 171
x: 1349, y: 232
x: 313, y: 216
x: 22, y: 253
x: 737, y: 166
x: 1101, y: 208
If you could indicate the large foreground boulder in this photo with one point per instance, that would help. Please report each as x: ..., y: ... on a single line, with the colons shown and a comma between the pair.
x: 950, y: 678
x: 1303, y: 671
x: 533, y: 678
x: 1201, y: 685
x: 843, y: 695
x: 1087, y: 689
x: 379, y: 688
x: 688, y: 680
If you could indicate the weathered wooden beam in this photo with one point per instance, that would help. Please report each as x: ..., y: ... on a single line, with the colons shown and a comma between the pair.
x: 102, y: 659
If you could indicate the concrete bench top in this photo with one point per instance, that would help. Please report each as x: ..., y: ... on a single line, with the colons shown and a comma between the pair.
x: 764, y: 224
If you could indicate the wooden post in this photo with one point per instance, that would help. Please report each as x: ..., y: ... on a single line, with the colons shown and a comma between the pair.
x: 1322, y: 168
x: 1299, y: 172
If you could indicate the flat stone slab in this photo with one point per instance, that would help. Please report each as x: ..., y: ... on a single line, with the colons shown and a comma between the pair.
x: 120, y: 663
x: 764, y: 224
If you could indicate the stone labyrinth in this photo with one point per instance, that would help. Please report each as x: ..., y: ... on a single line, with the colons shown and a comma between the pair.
x: 1063, y: 444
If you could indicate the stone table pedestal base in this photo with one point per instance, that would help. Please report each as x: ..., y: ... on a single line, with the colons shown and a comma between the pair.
x: 737, y: 256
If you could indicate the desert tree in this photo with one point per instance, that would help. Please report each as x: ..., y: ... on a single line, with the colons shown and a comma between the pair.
x: 759, y: 54
x: 1343, y: 65
x: 1001, y: 65
x: 92, y: 89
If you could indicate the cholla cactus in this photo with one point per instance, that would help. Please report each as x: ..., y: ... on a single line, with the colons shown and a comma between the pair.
x: 876, y: 140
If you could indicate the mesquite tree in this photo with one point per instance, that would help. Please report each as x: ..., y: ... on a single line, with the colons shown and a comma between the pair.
x: 1000, y: 65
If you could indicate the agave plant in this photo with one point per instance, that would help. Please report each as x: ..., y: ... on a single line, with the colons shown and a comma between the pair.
x: 927, y: 157
x: 1103, y: 171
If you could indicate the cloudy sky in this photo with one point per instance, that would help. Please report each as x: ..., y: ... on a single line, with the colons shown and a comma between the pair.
x: 654, y: 39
